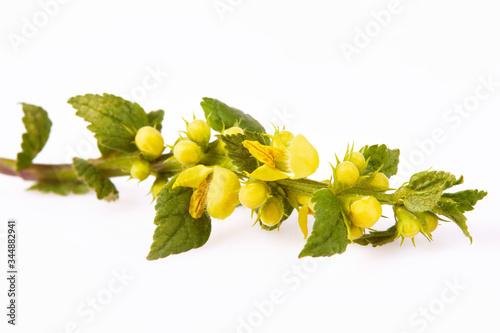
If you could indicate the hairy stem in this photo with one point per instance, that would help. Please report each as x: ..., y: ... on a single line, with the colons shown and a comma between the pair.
x: 308, y: 187
x: 305, y: 186
x: 115, y: 165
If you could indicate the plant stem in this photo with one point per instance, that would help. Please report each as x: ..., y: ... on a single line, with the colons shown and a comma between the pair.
x: 384, y: 198
x: 114, y: 165
x: 305, y: 186
x: 308, y: 187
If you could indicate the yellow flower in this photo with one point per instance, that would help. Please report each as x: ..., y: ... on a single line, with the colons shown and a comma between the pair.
x: 298, y: 160
x: 216, y: 189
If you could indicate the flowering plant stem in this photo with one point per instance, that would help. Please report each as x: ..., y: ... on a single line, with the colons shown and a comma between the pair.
x: 202, y: 179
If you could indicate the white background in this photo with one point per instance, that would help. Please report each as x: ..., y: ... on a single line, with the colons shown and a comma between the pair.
x: 281, y: 61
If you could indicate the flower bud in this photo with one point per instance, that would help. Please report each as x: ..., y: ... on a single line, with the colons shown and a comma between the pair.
x: 365, y: 212
x: 187, y: 152
x: 253, y: 195
x: 232, y: 131
x: 286, y: 138
x: 408, y: 224
x: 158, y: 185
x: 356, y: 232
x: 271, y: 212
x: 358, y: 160
x: 347, y: 173
x: 199, y: 132
x: 150, y: 142
x: 282, y: 139
x: 379, y: 182
x: 429, y: 220
x: 140, y: 170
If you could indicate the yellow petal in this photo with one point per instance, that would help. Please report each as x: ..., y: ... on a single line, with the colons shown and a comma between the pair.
x: 222, y: 194
x: 268, y: 174
x: 264, y: 154
x: 303, y: 157
x: 303, y: 200
x: 193, y: 177
x: 198, y: 200
x: 303, y: 211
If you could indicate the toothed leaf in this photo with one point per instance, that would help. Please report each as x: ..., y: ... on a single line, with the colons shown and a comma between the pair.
x: 220, y: 116
x: 155, y: 119
x: 466, y: 200
x: 37, y: 124
x: 381, y: 157
x: 177, y: 231
x: 378, y: 238
x: 93, y: 177
x: 329, y: 235
x: 64, y: 188
x: 113, y: 120
x: 239, y: 155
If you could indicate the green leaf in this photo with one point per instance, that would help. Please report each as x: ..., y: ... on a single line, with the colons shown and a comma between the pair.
x: 449, y: 208
x: 329, y: 235
x: 418, y: 201
x: 454, y: 205
x: 177, y: 230
x: 425, y: 189
x: 105, y: 151
x: 37, y: 124
x: 380, y: 157
x: 114, y: 120
x: 94, y: 178
x: 432, y: 180
x: 465, y: 200
x: 64, y: 188
x: 239, y: 155
x: 378, y: 238
x: 155, y: 118
x: 221, y: 116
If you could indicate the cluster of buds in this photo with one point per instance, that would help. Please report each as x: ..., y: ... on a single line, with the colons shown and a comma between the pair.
x: 411, y: 224
x: 362, y: 212
x: 217, y: 188
x: 190, y: 150
x: 151, y: 145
